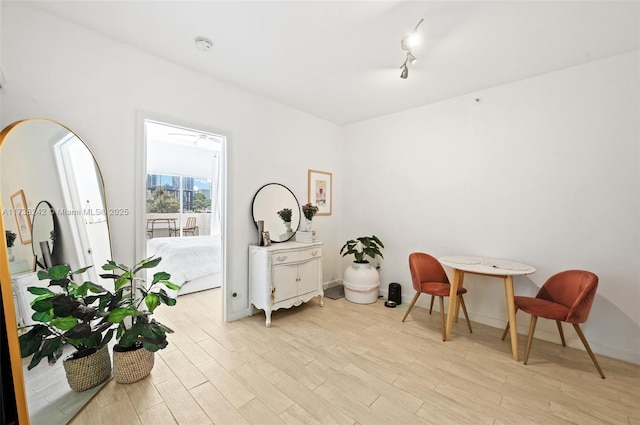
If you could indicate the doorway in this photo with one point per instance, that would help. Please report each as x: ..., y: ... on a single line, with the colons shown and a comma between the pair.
x: 182, y: 197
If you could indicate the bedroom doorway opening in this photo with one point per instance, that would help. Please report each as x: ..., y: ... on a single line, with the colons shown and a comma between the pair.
x: 183, y: 198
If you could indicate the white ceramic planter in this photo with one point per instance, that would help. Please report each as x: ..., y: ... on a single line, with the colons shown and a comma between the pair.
x: 361, y: 283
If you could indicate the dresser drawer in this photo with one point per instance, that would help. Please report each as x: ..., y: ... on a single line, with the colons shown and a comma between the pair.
x: 297, y: 256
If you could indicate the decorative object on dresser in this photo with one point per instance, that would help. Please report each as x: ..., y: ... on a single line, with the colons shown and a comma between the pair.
x: 139, y: 336
x: 269, y: 201
x: 361, y: 280
x: 306, y: 237
x: 308, y: 211
x: 72, y: 316
x: 284, y: 275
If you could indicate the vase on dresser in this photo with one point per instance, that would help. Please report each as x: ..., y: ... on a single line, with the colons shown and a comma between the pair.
x: 307, y: 225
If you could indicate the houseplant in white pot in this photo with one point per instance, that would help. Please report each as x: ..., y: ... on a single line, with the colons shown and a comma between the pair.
x: 75, y: 316
x: 361, y: 280
x: 131, y: 308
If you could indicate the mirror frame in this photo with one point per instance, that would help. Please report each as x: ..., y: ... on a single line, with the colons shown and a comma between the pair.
x: 9, y: 312
x: 6, y: 290
x: 295, y: 226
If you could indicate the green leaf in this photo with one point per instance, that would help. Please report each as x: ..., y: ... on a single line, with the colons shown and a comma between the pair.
x: 42, y: 305
x: 36, y: 290
x: 152, y: 300
x: 110, y: 265
x: 93, y: 340
x: 107, y: 337
x: 166, y: 298
x: 64, y: 305
x: 59, y: 272
x: 79, y: 331
x: 160, y: 276
x: 171, y: 286
x: 80, y: 271
x: 64, y: 323
x: 42, y: 316
x: 118, y: 315
x: 122, y: 281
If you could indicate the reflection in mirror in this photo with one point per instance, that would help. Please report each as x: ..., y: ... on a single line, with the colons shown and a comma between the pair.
x: 270, y: 199
x: 46, y: 160
x: 43, y: 237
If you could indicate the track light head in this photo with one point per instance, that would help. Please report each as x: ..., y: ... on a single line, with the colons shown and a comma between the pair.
x: 405, y: 72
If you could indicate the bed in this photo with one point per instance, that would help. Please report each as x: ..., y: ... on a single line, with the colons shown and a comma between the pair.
x: 194, y: 262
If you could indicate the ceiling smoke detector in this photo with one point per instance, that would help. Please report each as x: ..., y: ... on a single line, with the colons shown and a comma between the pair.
x: 203, y: 43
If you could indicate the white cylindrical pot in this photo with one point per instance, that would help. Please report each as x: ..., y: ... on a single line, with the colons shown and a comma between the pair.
x: 361, y: 283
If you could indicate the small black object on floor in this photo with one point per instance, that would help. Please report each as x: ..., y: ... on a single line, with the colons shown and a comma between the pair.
x: 334, y: 292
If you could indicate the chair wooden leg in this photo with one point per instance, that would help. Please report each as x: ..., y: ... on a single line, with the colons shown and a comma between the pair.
x: 433, y: 297
x: 559, y: 323
x: 532, y: 329
x: 413, y: 302
x: 586, y: 345
x: 464, y: 310
x: 506, y: 329
x: 444, y: 337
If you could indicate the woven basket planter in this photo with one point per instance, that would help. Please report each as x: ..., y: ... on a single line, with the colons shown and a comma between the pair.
x: 88, y: 371
x: 131, y: 365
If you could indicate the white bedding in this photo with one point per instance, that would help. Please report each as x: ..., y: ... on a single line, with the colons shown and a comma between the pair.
x: 187, y: 258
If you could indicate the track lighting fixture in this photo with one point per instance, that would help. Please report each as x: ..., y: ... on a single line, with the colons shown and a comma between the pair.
x: 405, y: 71
x: 408, y: 43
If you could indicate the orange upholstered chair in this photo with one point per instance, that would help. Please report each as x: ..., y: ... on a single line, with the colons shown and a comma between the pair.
x: 565, y: 297
x: 429, y: 277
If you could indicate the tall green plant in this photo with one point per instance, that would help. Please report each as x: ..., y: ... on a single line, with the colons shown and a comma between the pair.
x: 74, y: 315
x: 132, y: 305
x: 363, y: 246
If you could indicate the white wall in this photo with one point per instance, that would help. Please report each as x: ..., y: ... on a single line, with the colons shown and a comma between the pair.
x: 98, y: 88
x: 545, y: 171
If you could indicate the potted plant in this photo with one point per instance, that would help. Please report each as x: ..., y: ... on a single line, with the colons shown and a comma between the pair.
x: 285, y: 215
x: 130, y: 308
x: 74, y: 315
x: 308, y: 211
x: 361, y: 280
x: 11, y: 238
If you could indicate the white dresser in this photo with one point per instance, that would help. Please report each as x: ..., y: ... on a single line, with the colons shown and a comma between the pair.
x: 19, y: 284
x: 284, y: 275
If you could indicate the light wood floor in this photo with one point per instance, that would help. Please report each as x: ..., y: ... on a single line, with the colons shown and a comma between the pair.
x: 349, y: 363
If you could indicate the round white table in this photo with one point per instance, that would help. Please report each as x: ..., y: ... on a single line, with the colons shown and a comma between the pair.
x: 485, y: 266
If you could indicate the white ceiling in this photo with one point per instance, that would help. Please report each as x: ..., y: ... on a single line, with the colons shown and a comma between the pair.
x: 340, y: 60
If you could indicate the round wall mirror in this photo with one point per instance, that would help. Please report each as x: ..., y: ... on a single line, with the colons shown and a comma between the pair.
x: 43, y: 236
x: 267, y: 202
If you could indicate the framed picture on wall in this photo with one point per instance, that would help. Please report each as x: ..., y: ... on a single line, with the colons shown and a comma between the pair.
x: 320, y: 191
x: 21, y: 213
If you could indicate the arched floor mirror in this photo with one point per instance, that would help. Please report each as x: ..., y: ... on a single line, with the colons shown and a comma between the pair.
x: 52, y: 195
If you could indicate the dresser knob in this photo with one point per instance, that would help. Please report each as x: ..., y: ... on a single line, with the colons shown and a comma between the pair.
x: 281, y: 258
x: 314, y: 253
